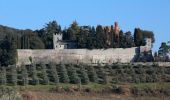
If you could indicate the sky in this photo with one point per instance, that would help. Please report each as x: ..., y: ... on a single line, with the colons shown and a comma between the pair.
x: 152, y: 15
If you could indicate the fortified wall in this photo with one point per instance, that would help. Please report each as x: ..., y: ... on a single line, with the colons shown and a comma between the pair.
x: 63, y: 54
x: 77, y: 55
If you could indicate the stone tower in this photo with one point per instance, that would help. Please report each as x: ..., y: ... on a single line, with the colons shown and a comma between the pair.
x: 57, y: 41
x: 148, y: 45
x: 116, y: 28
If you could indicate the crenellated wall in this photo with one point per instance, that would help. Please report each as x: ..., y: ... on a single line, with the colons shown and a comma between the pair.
x: 77, y: 55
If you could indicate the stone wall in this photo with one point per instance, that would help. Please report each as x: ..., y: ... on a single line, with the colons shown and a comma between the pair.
x: 77, y: 55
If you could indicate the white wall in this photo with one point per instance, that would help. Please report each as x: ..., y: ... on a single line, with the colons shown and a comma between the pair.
x: 77, y: 55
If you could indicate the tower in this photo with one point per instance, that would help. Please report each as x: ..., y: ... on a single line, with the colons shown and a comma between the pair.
x: 148, y: 44
x: 57, y: 41
x: 116, y: 28
x: 116, y: 31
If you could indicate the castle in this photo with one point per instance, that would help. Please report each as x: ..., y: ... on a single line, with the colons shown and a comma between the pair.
x: 66, y: 52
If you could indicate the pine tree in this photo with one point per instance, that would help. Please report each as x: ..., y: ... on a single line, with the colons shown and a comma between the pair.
x: 83, y: 75
x: 13, y: 75
x: 73, y: 75
x: 3, y: 79
x: 102, y: 74
x: 35, y: 80
x: 24, y: 74
x: 44, y: 73
x: 54, y: 73
x: 92, y: 74
x: 63, y: 74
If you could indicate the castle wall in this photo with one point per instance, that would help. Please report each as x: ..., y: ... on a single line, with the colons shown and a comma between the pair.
x: 77, y: 55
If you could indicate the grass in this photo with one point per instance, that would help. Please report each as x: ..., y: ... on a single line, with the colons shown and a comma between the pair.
x: 162, y: 85
x: 91, y: 86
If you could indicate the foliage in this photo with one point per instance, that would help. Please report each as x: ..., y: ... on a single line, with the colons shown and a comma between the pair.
x: 73, y: 75
x: 63, y: 74
x: 54, y: 73
x: 116, y: 73
x: 163, y: 52
x: 44, y: 74
x: 102, y: 75
x: 3, y: 79
x: 12, y: 96
x: 24, y: 75
x: 8, y: 53
x: 92, y: 74
x: 35, y: 79
x: 13, y: 75
x: 83, y: 75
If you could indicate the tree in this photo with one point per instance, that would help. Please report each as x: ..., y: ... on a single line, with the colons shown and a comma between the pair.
x: 100, y: 37
x: 8, y: 50
x: 138, y: 37
x: 83, y: 75
x: 102, y: 75
x: 163, y: 52
x: 31, y: 41
x: 3, y: 79
x: 13, y: 74
x: 128, y: 40
x: 46, y: 33
x: 156, y: 57
x: 54, y: 73
x: 24, y: 74
x: 73, y: 31
x: 73, y: 75
x: 35, y: 80
x: 63, y: 74
x: 44, y: 74
x: 92, y: 74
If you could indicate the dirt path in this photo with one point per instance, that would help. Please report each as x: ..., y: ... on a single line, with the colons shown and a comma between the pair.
x: 78, y: 96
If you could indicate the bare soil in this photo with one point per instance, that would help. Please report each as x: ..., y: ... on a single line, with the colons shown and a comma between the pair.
x: 79, y: 96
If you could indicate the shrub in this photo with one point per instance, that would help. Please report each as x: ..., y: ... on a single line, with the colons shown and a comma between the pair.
x: 35, y: 80
x: 24, y: 75
x: 12, y: 96
x: 92, y: 74
x: 3, y: 76
x: 54, y: 73
x: 63, y: 74
x: 13, y: 75
x: 44, y: 74
x: 83, y: 75
x: 73, y: 75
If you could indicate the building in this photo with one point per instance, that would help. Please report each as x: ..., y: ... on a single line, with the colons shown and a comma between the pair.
x: 66, y: 52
